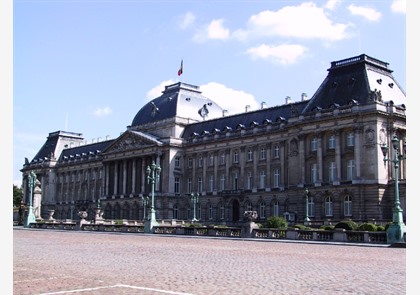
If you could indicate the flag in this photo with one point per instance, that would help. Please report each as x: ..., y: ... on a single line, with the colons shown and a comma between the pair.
x: 180, y: 68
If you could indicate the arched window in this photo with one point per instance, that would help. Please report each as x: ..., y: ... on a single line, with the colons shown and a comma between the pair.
x: 261, y: 210
x: 328, y: 206
x: 311, y: 207
x: 175, y: 211
x: 276, y: 209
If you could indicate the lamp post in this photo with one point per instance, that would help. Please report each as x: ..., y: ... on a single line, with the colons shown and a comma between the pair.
x: 152, y: 173
x: 145, y: 201
x: 396, y: 230
x: 194, y: 201
x: 306, y: 220
x: 31, y: 216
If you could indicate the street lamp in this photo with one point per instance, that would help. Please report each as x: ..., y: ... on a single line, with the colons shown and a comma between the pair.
x: 145, y: 201
x: 306, y: 220
x: 152, y: 173
x: 194, y: 201
x: 31, y: 216
x: 396, y: 230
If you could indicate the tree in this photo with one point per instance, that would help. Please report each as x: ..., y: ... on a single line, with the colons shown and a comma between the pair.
x: 17, y: 196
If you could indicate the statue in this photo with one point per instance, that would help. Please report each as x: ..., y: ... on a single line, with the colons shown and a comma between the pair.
x: 37, y: 199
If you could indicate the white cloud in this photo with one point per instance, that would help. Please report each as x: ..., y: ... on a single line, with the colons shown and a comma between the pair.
x: 230, y: 99
x: 332, y: 4
x: 306, y: 21
x: 101, y: 112
x: 214, y: 31
x: 398, y: 6
x: 186, y: 20
x: 284, y: 54
x: 366, y: 12
x: 157, y: 90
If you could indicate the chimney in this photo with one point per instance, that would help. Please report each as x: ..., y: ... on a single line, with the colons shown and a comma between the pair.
x: 224, y: 112
x: 304, y: 96
x: 263, y: 105
x: 247, y: 108
x: 288, y: 100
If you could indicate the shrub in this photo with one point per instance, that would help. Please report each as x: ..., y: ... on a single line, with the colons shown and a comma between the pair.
x: 195, y: 225
x: 327, y: 227
x: 368, y: 227
x: 347, y: 225
x: 380, y: 228
x: 276, y: 222
x: 301, y: 226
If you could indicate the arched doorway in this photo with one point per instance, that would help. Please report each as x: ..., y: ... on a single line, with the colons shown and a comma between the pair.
x: 235, y: 210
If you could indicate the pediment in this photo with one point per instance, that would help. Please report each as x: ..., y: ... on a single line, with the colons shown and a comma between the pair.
x: 133, y: 140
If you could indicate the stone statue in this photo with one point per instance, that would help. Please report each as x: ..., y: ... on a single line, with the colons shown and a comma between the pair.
x: 37, y: 199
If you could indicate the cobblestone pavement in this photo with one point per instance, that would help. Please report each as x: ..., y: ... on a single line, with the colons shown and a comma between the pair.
x: 67, y: 262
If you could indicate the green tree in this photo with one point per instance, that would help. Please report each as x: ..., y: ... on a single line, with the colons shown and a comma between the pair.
x: 17, y: 196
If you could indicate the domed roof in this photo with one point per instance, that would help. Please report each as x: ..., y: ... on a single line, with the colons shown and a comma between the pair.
x: 178, y: 100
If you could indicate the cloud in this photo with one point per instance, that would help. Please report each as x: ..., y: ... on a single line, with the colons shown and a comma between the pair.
x: 284, y: 54
x: 157, y: 90
x: 398, y: 6
x: 332, y: 4
x: 228, y: 98
x: 102, y: 112
x: 213, y: 31
x: 366, y: 12
x: 306, y: 21
x: 186, y: 20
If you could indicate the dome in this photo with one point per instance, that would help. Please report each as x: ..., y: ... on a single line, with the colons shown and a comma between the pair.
x: 178, y: 100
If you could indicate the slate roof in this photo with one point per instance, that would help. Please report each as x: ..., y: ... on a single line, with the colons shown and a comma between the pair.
x: 178, y: 100
x: 356, y: 79
x: 84, y: 151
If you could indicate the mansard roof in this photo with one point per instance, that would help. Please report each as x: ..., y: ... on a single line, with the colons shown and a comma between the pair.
x: 84, y: 151
x: 178, y: 100
x: 360, y: 79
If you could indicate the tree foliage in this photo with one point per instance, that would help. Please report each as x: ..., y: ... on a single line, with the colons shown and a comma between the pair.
x: 17, y: 195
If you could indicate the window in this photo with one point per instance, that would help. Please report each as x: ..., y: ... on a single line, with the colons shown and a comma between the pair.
x: 190, y: 162
x: 276, y: 179
x: 199, y: 211
x: 249, y: 181
x: 210, y: 212
x: 189, y: 186
x: 348, y: 209
x: 222, y: 182
x: 222, y: 159
x: 249, y: 206
x: 262, y: 179
x: 177, y: 162
x: 100, y: 173
x: 351, y: 170
x: 262, y: 210
x: 276, y: 151
x: 328, y: 206
x: 314, y: 144
x: 263, y: 153
x: 332, y: 172
x: 235, y: 157
x: 176, y: 184
x: 222, y: 211
x: 175, y: 209
x: 350, y: 139
x: 276, y: 209
x: 311, y: 207
x: 331, y: 142
x: 314, y: 173
x: 250, y: 155
x: 200, y: 184
x: 200, y: 161
x: 211, y: 160
x: 235, y: 181
x: 211, y: 183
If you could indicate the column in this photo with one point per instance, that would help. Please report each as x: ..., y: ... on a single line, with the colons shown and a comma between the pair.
x: 302, y: 163
x: 319, y: 157
x: 116, y: 178
x: 357, y: 150
x: 133, y: 177
x: 124, y: 192
x: 338, y: 154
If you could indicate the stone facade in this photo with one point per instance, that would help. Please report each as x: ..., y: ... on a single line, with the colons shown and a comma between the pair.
x: 259, y: 161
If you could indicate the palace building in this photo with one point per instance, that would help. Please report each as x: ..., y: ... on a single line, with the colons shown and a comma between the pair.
x: 320, y: 156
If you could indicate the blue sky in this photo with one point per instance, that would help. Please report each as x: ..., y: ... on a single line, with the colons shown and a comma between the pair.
x: 89, y: 66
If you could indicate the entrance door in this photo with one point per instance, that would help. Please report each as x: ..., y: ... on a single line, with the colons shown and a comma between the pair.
x: 235, y: 210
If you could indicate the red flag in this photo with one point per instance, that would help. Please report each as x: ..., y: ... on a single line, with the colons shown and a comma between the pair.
x: 180, y: 68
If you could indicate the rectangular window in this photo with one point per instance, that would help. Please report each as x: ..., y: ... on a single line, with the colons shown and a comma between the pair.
x: 314, y: 144
x: 350, y: 139
x: 262, y: 179
x: 222, y: 211
x: 210, y: 212
x: 249, y: 181
x: 222, y: 182
x: 189, y: 186
x: 332, y: 172
x: 222, y: 159
x: 263, y: 153
x: 200, y: 161
x: 276, y: 151
x: 331, y: 142
x: 211, y: 183
x: 276, y: 179
x: 314, y: 173
x: 235, y: 157
x: 311, y: 207
x: 250, y: 155
x: 351, y: 170
x: 177, y: 162
x: 211, y: 160
x: 328, y: 207
x: 200, y: 184
x: 348, y: 206
x: 235, y: 181
x: 176, y: 183
x: 190, y: 162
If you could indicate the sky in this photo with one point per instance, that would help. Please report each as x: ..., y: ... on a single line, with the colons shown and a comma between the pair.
x: 89, y: 66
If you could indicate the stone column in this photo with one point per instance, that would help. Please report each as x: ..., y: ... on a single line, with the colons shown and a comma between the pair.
x: 302, y: 158
x: 338, y: 154
x: 319, y: 157
x: 133, y: 177
x: 124, y: 180
x: 116, y: 178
